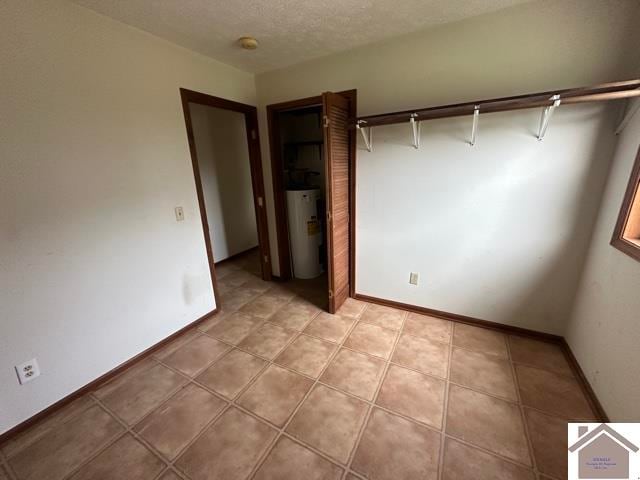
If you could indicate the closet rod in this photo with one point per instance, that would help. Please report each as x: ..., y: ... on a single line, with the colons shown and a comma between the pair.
x: 596, y: 93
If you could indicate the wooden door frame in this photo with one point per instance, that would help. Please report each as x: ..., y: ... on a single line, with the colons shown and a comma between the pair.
x: 257, y: 180
x: 282, y: 230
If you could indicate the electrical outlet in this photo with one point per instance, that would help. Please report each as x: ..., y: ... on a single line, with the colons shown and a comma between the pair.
x: 413, y: 278
x: 28, y: 371
x: 179, y: 214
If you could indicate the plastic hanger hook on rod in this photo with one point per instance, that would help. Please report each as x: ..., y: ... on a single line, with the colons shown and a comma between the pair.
x: 415, y: 128
x: 474, y: 125
x: 366, y: 136
x: 546, y: 116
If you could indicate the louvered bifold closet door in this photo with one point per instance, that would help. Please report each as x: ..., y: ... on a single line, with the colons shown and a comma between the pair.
x: 336, y: 139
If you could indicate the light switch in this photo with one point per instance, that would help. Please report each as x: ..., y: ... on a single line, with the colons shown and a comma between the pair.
x: 179, y: 214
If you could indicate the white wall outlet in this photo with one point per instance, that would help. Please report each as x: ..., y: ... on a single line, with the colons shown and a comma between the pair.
x: 28, y: 371
x: 179, y: 214
x: 413, y: 278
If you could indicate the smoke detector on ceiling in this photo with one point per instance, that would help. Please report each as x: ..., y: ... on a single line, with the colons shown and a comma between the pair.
x: 248, y: 43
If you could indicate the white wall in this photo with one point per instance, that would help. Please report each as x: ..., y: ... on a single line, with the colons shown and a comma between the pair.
x: 517, y: 256
x: 225, y: 171
x: 94, y: 157
x: 604, y: 330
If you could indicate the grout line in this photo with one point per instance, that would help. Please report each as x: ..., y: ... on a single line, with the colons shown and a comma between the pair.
x: 99, y: 451
x: 5, y: 467
x: 445, y: 408
x: 371, y: 405
x: 522, y: 414
x: 232, y: 403
x: 44, y: 432
x: 167, y: 461
x: 282, y: 431
x: 130, y: 431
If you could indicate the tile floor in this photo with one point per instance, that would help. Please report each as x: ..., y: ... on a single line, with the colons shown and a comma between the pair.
x: 274, y: 388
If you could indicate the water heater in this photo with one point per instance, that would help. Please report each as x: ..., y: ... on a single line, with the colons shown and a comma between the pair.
x: 305, y: 232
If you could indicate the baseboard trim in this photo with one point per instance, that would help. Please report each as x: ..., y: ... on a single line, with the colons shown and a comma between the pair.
x: 525, y: 332
x: 508, y: 329
x: 584, y: 383
x: 93, y: 385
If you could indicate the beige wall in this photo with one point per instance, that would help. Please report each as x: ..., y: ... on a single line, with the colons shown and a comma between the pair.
x: 497, y: 231
x: 604, y: 330
x: 94, y: 157
x: 225, y: 171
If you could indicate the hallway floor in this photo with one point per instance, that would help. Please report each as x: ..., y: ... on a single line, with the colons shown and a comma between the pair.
x: 274, y: 388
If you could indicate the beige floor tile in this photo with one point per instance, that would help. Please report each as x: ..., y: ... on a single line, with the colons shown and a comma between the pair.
x: 354, y: 373
x: 539, y: 354
x: 225, y: 268
x: 556, y: 394
x: 177, y: 343
x: 193, y: 357
x: 487, y: 373
x: 480, y: 339
x: 223, y: 290
x: 275, y: 394
x: 462, y: 462
x: 422, y: 354
x: 307, y: 355
x: 393, y: 448
x: 257, y: 284
x: 329, y: 327
x: 295, y: 315
x: 172, y: 426
x: 371, y: 339
x: 351, y: 308
x: 487, y: 422
x: 290, y: 461
x: 127, y: 458
x: 414, y: 395
x: 319, y: 299
x: 133, y: 371
x: 212, y: 320
x: 234, y: 327
x: 268, y: 340
x: 382, y: 316
x: 426, y: 326
x: 3, y: 474
x: 236, y: 278
x: 309, y: 300
x: 549, y: 439
x: 229, y: 449
x: 63, y: 449
x: 329, y: 421
x: 60, y: 417
x: 238, y: 298
x: 264, y: 306
x: 143, y: 393
x: 229, y: 375
x: 281, y: 292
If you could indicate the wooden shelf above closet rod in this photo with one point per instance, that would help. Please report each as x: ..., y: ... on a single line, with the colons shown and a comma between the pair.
x: 596, y: 93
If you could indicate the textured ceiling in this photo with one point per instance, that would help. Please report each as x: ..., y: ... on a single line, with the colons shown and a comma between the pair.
x: 289, y: 31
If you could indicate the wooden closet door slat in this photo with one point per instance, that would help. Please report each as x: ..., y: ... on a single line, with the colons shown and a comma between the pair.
x: 336, y: 139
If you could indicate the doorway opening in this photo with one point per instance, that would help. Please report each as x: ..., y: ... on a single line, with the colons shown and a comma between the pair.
x: 313, y: 172
x: 225, y: 153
